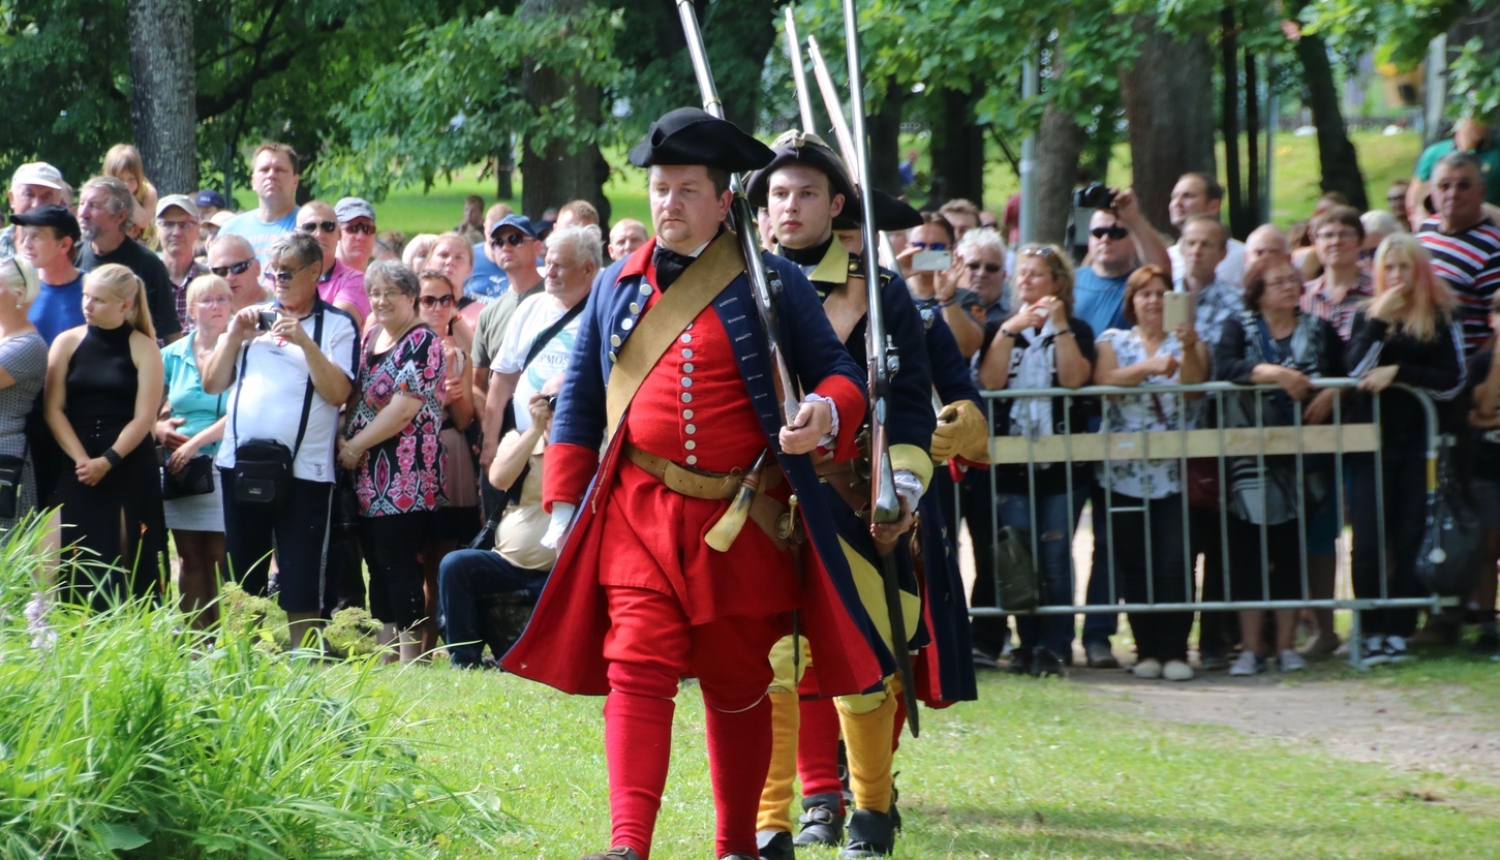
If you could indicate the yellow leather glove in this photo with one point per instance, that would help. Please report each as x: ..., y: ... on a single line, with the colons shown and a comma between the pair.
x: 961, y: 432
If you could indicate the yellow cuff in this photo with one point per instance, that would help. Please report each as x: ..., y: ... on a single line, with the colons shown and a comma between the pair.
x: 913, y: 459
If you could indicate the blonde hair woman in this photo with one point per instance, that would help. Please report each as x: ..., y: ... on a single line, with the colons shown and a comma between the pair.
x: 190, y: 432
x: 414, y: 255
x: 1041, y: 345
x: 123, y: 162
x: 104, y: 385
x: 23, y: 367
x: 1408, y: 333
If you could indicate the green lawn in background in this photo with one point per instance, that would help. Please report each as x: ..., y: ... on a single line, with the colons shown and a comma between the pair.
x: 1295, y: 177
x: 1034, y: 769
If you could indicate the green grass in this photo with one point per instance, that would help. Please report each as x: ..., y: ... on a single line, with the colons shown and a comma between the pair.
x: 1034, y: 769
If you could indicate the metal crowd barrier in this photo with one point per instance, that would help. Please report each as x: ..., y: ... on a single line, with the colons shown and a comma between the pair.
x: 1079, y: 445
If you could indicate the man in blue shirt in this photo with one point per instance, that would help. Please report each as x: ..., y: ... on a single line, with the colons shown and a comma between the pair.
x: 1120, y: 240
x: 275, y: 176
x: 46, y: 237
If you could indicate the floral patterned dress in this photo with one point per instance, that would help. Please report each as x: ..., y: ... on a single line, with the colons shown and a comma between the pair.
x: 403, y: 474
x: 1134, y: 413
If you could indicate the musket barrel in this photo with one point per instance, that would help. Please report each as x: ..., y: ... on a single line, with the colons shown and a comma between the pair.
x: 799, y: 75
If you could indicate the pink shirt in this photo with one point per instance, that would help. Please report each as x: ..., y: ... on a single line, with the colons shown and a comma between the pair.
x: 345, y: 284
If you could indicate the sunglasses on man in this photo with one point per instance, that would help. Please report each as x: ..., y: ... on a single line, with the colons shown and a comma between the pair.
x: 975, y: 266
x: 233, y: 268
x: 1114, y: 231
x: 315, y: 226
x: 364, y: 227
x: 512, y: 239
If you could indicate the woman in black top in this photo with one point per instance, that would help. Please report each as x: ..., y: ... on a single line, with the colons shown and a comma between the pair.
x: 104, y: 384
x: 1406, y: 335
x: 1272, y: 342
x: 1041, y: 346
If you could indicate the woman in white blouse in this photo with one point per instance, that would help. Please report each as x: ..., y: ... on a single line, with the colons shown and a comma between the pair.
x: 1145, y: 496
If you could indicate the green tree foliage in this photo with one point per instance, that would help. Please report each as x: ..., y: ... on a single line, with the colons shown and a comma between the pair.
x: 290, y: 63
x: 456, y: 91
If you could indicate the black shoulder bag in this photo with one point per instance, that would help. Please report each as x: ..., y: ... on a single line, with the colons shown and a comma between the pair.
x: 513, y: 492
x: 263, y: 467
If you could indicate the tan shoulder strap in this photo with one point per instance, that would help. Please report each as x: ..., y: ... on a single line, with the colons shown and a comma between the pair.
x: 659, y: 326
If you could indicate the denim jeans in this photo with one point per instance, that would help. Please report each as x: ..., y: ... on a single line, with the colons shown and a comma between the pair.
x: 1054, y: 526
x: 465, y: 578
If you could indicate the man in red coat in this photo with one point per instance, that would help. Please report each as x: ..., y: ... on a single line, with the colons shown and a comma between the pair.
x: 671, y: 372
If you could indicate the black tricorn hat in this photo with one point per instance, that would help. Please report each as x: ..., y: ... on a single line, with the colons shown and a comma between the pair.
x: 891, y: 214
x: 796, y: 147
x: 693, y: 136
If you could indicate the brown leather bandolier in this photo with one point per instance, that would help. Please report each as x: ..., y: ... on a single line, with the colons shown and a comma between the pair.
x: 765, y: 511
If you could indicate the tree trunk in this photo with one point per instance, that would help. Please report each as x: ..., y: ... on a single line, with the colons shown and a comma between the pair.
x: 1229, y: 109
x: 1336, y: 155
x: 1252, y: 144
x: 962, y: 156
x: 163, y: 92
x: 1168, y: 96
x: 738, y: 36
x: 505, y: 169
x: 1059, y: 142
x: 557, y: 174
x: 885, y: 140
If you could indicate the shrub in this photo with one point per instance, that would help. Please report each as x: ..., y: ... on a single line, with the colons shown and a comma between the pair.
x: 126, y: 734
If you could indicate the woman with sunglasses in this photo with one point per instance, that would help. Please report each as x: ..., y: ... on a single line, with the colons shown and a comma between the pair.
x: 453, y: 256
x: 458, y: 520
x: 392, y: 446
x: 1041, y: 345
x: 338, y: 284
x: 936, y: 286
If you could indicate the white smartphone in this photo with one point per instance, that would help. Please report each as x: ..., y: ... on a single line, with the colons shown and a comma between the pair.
x: 932, y: 261
x: 1178, y: 309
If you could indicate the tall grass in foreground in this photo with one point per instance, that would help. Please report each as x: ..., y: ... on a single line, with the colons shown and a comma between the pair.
x: 125, y: 734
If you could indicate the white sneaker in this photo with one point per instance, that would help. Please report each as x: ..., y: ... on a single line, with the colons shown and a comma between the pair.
x: 1177, y: 670
x: 1247, y: 664
x: 1291, y: 661
x: 1374, y: 653
x: 1147, y: 668
x: 1395, y: 646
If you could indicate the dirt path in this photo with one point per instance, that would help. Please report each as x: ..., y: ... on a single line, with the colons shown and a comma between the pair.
x: 1444, y: 729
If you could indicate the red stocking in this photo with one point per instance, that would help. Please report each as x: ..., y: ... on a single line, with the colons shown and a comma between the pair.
x: 638, y: 749
x: 739, y: 756
x: 818, y: 749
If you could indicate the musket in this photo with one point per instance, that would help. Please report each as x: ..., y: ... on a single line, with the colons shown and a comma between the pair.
x: 799, y: 75
x: 741, y: 221
x: 883, y: 362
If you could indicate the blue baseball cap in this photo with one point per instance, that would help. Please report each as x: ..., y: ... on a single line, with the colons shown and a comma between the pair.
x: 519, y: 222
x: 210, y: 197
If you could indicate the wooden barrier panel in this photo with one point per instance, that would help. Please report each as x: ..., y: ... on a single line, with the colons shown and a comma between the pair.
x: 1168, y: 444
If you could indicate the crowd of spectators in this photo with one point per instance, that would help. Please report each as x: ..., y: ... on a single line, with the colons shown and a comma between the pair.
x: 298, y: 398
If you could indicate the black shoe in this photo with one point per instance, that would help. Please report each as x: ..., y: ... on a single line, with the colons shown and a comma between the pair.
x: 822, y: 824
x: 984, y: 661
x: 1020, y: 662
x: 775, y: 845
x: 1044, y: 663
x: 871, y: 834
x: 895, y: 812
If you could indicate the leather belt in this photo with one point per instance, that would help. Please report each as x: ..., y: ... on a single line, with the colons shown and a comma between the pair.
x: 765, y: 511
x: 846, y: 480
x: 695, y: 483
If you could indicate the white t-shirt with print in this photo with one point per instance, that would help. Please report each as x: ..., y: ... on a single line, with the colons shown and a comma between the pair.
x: 532, y: 318
x: 266, y: 402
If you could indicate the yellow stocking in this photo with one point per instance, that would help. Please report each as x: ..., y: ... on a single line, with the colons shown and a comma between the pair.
x: 867, y: 725
x: 776, y: 797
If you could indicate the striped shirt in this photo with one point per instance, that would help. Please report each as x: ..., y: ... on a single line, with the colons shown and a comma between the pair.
x: 1470, y: 262
x: 1317, y: 301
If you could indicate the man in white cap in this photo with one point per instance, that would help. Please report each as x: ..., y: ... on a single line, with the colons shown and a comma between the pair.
x: 339, y: 285
x: 178, y: 225
x: 35, y: 184
x: 356, y: 219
